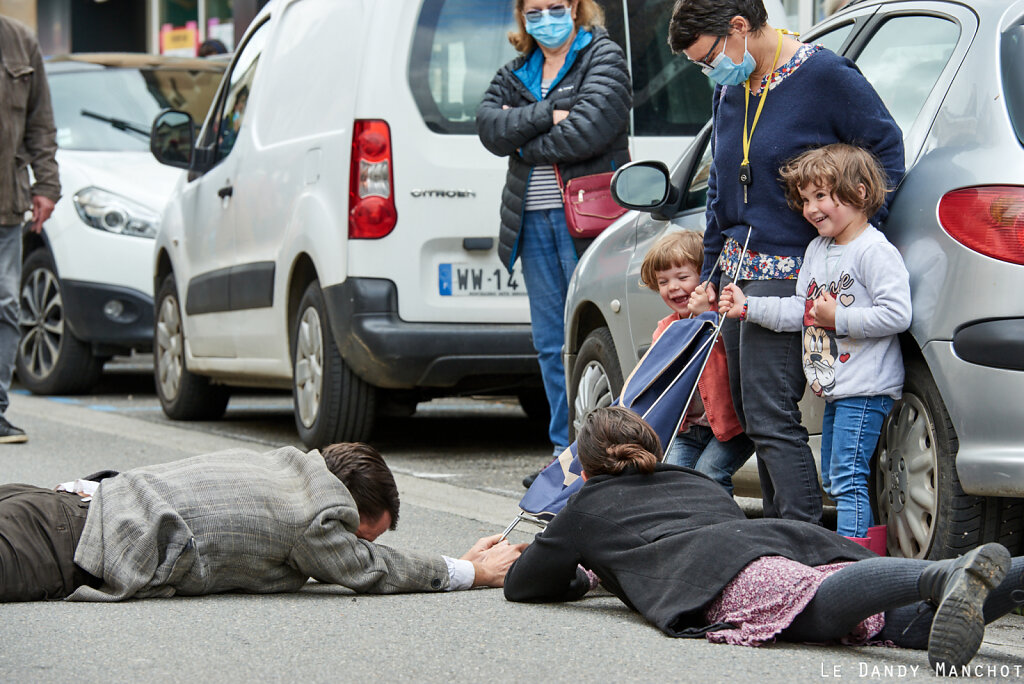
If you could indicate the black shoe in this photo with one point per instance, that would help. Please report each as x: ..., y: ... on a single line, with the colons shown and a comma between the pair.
x: 10, y: 434
x: 959, y: 588
x: 531, y: 478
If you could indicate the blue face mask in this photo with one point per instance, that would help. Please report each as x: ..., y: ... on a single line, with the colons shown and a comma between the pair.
x: 551, y: 32
x: 726, y: 72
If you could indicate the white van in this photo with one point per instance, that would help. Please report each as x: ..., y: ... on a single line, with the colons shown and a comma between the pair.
x: 336, y: 231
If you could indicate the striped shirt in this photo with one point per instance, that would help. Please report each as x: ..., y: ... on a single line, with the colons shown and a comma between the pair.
x: 543, y: 192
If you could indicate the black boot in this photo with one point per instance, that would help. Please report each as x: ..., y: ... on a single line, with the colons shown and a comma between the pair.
x: 531, y: 478
x: 958, y: 588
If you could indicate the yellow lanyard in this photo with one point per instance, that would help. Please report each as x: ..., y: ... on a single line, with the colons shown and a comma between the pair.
x: 760, y: 105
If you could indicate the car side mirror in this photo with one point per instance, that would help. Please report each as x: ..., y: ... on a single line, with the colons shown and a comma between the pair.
x: 644, y: 186
x: 172, y: 138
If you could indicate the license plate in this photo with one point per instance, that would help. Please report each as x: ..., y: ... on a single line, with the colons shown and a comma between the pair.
x: 474, y: 280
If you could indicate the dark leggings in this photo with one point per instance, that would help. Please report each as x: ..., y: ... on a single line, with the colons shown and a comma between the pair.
x: 888, y: 585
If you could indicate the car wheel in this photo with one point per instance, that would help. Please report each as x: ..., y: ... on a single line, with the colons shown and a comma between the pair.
x: 917, y: 491
x: 50, y: 359
x: 183, y: 395
x: 332, y: 404
x: 596, y: 377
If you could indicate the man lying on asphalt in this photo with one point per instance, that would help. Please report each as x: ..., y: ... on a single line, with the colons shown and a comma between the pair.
x: 234, y: 520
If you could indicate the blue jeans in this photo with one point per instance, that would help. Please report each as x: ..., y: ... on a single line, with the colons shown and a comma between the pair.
x: 698, y: 448
x: 767, y: 382
x: 10, y: 281
x: 549, y: 258
x: 849, y: 435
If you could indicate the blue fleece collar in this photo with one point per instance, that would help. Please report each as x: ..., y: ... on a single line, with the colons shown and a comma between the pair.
x: 531, y: 72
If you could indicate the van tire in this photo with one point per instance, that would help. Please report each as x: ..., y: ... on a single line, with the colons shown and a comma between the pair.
x: 183, y: 395
x: 917, y: 491
x: 49, y: 358
x: 596, y: 377
x: 332, y: 404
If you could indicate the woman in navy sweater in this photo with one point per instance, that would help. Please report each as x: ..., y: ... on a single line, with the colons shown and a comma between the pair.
x: 775, y: 98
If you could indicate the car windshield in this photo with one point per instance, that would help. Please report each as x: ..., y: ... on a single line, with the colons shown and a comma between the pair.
x: 119, y: 100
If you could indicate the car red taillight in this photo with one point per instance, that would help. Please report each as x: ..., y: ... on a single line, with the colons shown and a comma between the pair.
x: 371, y: 201
x: 988, y: 219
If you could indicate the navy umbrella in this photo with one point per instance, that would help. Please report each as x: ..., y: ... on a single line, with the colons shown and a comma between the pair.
x: 659, y: 390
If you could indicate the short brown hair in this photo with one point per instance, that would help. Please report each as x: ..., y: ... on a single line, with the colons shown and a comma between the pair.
x: 588, y: 15
x: 693, y: 18
x: 613, y: 438
x: 672, y: 251
x: 842, y: 169
x: 367, y: 477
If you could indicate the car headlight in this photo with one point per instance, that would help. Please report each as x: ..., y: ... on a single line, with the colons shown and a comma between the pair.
x: 115, y: 213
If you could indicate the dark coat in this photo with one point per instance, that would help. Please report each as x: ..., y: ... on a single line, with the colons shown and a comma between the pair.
x: 666, y: 544
x: 28, y: 136
x: 594, y: 87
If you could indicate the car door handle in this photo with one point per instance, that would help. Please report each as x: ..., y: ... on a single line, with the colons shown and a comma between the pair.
x: 226, y: 191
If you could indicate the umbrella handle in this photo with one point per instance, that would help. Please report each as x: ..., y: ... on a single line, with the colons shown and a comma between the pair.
x: 735, y: 275
x: 739, y: 264
x: 508, y: 530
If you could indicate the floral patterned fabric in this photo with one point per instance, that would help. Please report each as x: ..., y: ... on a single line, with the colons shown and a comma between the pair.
x: 766, y: 266
x: 767, y: 596
x: 757, y: 266
x: 789, y: 67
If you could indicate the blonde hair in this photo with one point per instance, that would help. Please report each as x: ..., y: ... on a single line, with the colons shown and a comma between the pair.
x: 613, y: 438
x: 842, y: 169
x: 588, y: 15
x: 672, y: 251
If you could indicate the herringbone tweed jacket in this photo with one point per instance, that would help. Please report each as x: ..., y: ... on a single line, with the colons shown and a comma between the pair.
x: 237, y: 520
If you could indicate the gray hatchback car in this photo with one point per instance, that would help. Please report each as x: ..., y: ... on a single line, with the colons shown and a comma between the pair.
x: 949, y: 468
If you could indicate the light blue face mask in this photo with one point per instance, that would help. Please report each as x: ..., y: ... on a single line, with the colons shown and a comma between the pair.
x: 551, y: 32
x: 727, y: 72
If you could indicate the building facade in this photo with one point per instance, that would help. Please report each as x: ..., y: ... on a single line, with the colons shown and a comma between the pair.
x: 180, y: 26
x: 154, y: 26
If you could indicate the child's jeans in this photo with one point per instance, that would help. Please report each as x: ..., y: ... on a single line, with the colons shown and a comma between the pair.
x: 698, y: 448
x: 849, y: 435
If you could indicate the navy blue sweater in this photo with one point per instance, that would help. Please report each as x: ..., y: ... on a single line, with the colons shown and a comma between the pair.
x: 826, y: 100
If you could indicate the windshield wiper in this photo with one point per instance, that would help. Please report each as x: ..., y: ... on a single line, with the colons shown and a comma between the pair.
x: 119, y: 124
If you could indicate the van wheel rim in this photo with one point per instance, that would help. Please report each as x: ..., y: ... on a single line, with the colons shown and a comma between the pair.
x: 309, y: 367
x: 42, y: 323
x: 594, y: 391
x: 170, y: 352
x: 907, y: 467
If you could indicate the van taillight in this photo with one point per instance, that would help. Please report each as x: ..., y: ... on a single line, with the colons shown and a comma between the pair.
x: 988, y: 219
x: 371, y: 201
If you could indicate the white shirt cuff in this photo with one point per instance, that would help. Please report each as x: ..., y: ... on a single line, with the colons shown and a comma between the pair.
x: 460, y: 573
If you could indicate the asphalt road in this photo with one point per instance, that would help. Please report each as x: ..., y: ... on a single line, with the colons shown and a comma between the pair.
x: 458, y: 465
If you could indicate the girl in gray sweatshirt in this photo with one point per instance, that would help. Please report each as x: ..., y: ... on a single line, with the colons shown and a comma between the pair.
x: 852, y: 300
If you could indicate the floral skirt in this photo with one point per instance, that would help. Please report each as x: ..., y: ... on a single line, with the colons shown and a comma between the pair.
x: 766, y: 597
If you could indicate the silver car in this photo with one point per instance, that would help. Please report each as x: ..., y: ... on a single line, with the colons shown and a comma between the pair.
x: 949, y: 468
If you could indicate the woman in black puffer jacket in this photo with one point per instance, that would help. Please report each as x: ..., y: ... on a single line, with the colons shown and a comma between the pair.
x: 563, y: 105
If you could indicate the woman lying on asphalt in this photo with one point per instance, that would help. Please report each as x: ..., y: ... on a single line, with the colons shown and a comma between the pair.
x: 673, y: 545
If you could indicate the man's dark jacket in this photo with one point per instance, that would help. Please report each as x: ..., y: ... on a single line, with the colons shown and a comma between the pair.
x: 666, y: 544
x: 593, y: 86
x: 27, y: 132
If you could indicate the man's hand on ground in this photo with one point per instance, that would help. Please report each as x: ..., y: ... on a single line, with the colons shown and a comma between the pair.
x: 491, y: 560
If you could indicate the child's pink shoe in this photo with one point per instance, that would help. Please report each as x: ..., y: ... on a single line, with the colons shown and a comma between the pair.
x: 875, y: 541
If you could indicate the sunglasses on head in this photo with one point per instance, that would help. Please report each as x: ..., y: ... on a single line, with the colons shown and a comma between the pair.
x: 555, y: 11
x: 703, y: 62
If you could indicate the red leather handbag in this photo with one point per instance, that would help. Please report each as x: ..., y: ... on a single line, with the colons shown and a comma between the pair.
x: 589, y: 207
